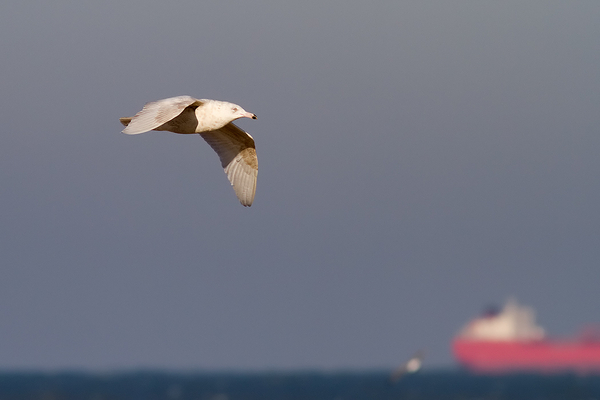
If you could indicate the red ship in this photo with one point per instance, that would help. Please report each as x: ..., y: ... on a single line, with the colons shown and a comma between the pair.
x: 511, y: 341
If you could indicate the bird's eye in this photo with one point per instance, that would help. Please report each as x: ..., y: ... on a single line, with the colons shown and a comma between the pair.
x: 234, y: 109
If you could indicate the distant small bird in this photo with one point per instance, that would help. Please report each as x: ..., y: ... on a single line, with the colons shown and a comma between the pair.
x: 409, y: 367
x: 212, y: 119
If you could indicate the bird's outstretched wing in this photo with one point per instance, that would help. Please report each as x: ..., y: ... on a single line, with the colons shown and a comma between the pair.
x: 156, y: 113
x: 238, y: 157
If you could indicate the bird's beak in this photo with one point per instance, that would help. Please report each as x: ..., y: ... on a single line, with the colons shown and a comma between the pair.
x: 254, y: 116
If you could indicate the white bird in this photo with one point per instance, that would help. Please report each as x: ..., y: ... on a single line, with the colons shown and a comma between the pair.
x: 409, y: 367
x: 212, y: 119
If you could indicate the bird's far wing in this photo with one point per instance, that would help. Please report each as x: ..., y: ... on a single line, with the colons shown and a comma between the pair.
x: 238, y: 157
x: 156, y: 113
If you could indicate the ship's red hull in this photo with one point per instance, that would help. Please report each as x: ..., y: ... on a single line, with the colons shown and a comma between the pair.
x: 535, y: 356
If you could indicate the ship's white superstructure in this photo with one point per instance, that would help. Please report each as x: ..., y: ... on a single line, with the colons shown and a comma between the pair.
x: 514, y: 322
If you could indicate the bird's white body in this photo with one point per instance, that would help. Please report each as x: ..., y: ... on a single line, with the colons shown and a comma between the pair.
x: 212, y: 119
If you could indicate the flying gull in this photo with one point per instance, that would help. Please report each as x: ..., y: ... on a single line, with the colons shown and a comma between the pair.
x: 409, y: 367
x: 211, y: 119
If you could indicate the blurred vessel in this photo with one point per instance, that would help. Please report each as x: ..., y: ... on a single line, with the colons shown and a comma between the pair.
x: 510, y: 341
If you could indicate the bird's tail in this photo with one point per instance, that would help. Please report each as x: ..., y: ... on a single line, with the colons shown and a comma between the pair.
x: 125, y: 121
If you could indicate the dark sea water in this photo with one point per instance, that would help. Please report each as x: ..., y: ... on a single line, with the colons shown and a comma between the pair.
x: 437, y: 385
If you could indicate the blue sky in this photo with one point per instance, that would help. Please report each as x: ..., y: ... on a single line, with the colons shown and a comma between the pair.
x: 417, y: 162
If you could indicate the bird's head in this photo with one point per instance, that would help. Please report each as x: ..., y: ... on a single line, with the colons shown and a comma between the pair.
x: 216, y: 114
x: 239, y: 112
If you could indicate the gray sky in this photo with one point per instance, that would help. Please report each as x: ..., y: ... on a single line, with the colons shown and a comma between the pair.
x: 418, y: 161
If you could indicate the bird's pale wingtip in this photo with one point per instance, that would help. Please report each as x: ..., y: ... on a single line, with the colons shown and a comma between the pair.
x: 130, y: 131
x: 126, y: 121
